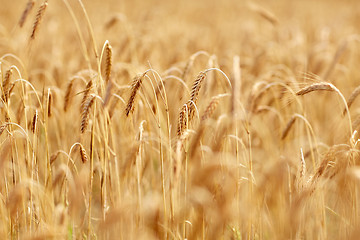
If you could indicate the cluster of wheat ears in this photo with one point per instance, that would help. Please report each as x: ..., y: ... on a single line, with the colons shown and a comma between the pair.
x: 184, y: 120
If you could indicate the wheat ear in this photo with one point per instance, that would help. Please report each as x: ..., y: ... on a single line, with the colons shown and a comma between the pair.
x: 2, y: 128
x: 29, y: 6
x: 6, y: 85
x: 288, y: 127
x: 316, y: 87
x: 210, y: 108
x: 49, y: 107
x: 68, y: 97
x: 108, y: 50
x: 86, y: 113
x: 83, y: 155
x: 194, y: 94
x: 86, y: 94
x: 38, y: 19
x: 134, y: 88
x: 183, y: 119
x: 34, y: 121
x: 352, y: 98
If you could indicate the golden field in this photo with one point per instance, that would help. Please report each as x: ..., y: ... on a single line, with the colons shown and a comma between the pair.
x: 179, y: 119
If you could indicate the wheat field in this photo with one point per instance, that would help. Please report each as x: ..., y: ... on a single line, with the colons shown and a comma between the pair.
x: 179, y: 119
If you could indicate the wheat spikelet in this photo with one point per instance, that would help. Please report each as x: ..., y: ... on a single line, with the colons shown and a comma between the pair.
x: 68, y: 97
x: 6, y: 85
x: 210, y: 108
x: 83, y: 155
x: 38, y: 18
x: 86, y: 94
x: 134, y: 88
x: 108, y: 50
x: 352, y: 98
x: 29, y: 6
x: 288, y: 127
x: 86, y: 113
x: 316, y: 87
x: 34, y: 122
